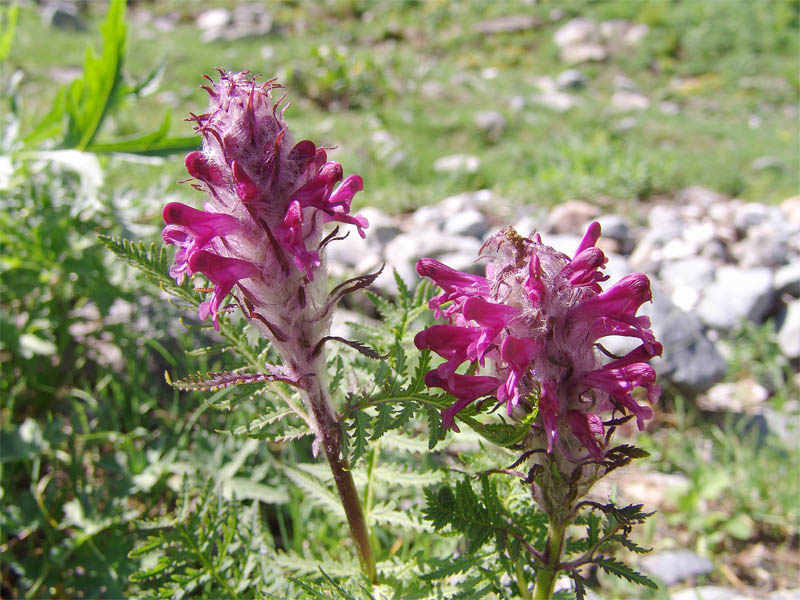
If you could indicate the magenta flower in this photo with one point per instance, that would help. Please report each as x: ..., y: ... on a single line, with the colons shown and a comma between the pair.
x: 268, y: 199
x: 533, y: 325
x: 259, y: 241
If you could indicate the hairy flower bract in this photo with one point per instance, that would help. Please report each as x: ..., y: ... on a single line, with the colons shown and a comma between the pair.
x: 532, y: 326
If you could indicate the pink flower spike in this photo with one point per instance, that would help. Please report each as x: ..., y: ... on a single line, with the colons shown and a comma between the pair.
x: 224, y: 273
x: 450, y: 342
x: 583, y: 269
x: 517, y: 353
x: 586, y: 427
x: 290, y: 235
x: 623, y: 298
x: 456, y: 285
x: 548, y: 411
x: 192, y: 230
x: 466, y: 389
x: 589, y: 238
x: 201, y: 168
x: 619, y: 382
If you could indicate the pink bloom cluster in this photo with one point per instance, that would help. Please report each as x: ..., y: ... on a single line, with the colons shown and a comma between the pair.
x: 261, y: 229
x: 533, y: 324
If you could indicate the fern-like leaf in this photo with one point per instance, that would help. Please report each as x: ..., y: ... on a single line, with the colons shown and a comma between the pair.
x: 217, y: 380
x: 614, y: 567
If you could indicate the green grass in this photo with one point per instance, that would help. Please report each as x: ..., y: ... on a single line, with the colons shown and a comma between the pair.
x: 369, y: 71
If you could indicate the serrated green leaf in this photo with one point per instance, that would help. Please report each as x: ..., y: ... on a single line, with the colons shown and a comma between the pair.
x: 387, y: 514
x: 315, y: 492
x: 614, y: 567
x: 245, y: 489
x: 91, y: 97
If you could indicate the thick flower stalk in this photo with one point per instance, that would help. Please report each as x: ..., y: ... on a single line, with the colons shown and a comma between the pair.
x: 259, y: 241
x: 531, y: 333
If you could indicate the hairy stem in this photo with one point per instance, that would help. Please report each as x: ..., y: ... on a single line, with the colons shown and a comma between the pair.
x: 522, y: 581
x: 330, y: 437
x: 547, y: 575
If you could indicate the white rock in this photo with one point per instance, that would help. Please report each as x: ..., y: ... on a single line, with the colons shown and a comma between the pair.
x: 557, y: 101
x: 485, y: 200
x: 751, y: 214
x: 674, y: 566
x: 491, y: 122
x: 572, y: 217
x: 708, y: 592
x: 576, y: 31
x: 581, y: 53
x: 624, y: 100
x: 697, y: 195
x: 457, y: 163
x: 571, y: 78
x: 736, y: 294
x: 215, y: 18
x: 621, y: 32
x: 787, y: 279
x: 744, y: 396
x: 429, y: 217
x: 469, y: 223
x: 690, y: 360
x: 789, y: 333
x: 686, y: 278
x: 791, y: 209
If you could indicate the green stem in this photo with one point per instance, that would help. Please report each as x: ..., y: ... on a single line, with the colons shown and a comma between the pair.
x: 330, y: 435
x: 547, y: 575
x: 522, y: 581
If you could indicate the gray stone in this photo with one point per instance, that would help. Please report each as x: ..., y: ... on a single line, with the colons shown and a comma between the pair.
x: 623, y: 82
x: 620, y: 33
x: 62, y: 15
x: 670, y: 108
x: 572, y: 217
x: 708, y: 592
x: 382, y: 228
x: 785, y: 595
x: 507, y: 24
x: 576, y: 31
x: 571, y: 79
x: 485, y: 200
x: 790, y: 594
x: 215, y: 18
x: 555, y: 100
x: 457, y: 163
x: 625, y: 101
x: 403, y: 252
x: 686, y: 279
x: 582, y: 53
x: 492, y: 123
x: 690, y: 360
x: 766, y: 245
x: 766, y: 163
x: 787, y: 279
x: 743, y: 396
x: 791, y: 209
x: 566, y: 244
x: 429, y: 217
x: 674, y: 566
x: 751, y: 214
x: 736, y: 294
x: 469, y: 223
x: 616, y: 227
x: 700, y: 196
x: 789, y: 332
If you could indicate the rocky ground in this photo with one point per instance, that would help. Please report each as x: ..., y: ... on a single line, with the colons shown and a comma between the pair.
x: 715, y: 263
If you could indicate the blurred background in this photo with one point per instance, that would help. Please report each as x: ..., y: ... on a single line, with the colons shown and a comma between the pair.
x: 673, y: 122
